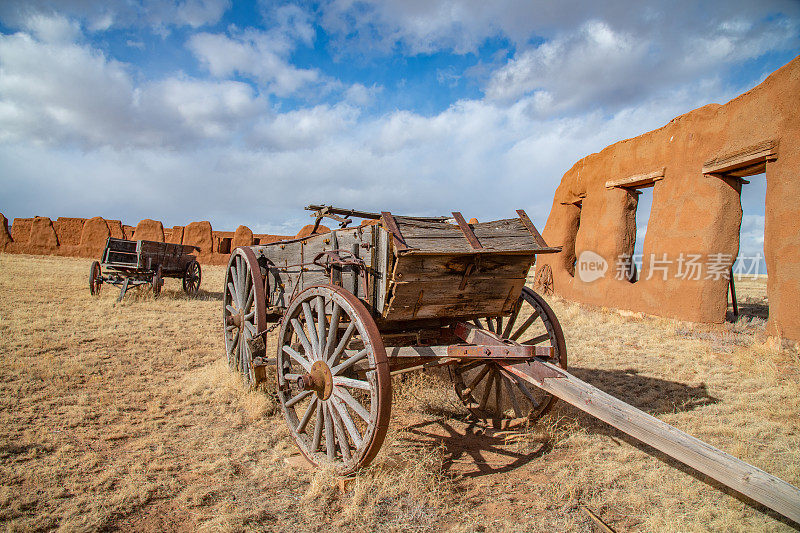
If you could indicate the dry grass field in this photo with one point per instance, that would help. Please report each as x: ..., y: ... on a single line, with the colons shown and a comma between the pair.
x: 124, y: 416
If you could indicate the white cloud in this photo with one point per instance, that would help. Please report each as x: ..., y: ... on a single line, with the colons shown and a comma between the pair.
x: 100, y: 15
x: 73, y: 95
x: 261, y: 56
x: 598, y: 66
x: 303, y: 128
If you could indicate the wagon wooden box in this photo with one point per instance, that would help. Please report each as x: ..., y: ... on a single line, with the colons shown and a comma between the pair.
x: 127, y: 263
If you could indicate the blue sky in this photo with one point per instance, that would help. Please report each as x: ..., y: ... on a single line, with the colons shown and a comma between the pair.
x: 244, y: 112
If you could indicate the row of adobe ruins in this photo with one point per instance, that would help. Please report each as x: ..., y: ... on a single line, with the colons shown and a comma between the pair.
x: 81, y: 237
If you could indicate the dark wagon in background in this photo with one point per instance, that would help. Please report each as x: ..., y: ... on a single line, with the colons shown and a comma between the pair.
x: 126, y: 264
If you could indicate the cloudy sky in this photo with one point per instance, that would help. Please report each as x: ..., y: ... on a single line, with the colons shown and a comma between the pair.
x: 244, y: 112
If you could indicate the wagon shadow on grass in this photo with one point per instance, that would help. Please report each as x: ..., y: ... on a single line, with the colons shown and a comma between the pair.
x: 472, y: 450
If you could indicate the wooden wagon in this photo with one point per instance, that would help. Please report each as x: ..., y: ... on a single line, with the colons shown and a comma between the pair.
x: 397, y: 294
x: 126, y: 264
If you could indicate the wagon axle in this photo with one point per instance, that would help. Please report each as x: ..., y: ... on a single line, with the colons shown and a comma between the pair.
x: 319, y: 380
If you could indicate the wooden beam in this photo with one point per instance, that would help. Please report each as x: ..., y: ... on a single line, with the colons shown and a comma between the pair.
x: 537, y: 237
x: 467, y: 231
x: 638, y: 180
x: 744, y: 478
x: 391, y: 225
x: 747, y: 157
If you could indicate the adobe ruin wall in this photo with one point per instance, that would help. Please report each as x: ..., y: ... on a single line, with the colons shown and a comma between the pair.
x: 81, y: 237
x: 696, y: 165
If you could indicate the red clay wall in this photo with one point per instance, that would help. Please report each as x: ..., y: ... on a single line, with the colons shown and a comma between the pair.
x: 39, y: 235
x: 68, y: 230
x: 692, y: 213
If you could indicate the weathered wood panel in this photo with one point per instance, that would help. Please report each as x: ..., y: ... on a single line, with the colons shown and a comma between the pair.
x: 289, y: 266
x: 444, y: 298
x: 506, y: 235
x: 423, y: 267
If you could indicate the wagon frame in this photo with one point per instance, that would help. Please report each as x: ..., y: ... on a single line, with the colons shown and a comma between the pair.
x: 127, y: 263
x: 398, y: 294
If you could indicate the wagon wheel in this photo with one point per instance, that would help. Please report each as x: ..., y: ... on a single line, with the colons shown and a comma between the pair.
x: 191, y: 278
x: 95, y: 279
x: 333, y: 378
x: 497, y: 396
x: 158, y: 281
x: 244, y: 312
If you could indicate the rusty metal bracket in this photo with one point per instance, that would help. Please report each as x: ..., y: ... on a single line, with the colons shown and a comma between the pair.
x: 391, y: 225
x: 335, y: 258
x: 537, y: 237
x: 467, y: 231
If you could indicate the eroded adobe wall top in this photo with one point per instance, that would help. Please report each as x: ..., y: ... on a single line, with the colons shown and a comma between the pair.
x: 81, y: 237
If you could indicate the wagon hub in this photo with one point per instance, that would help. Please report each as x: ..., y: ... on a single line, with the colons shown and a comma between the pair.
x: 319, y: 380
x: 236, y: 320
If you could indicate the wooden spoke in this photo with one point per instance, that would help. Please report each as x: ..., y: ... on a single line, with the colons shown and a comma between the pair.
x: 513, y: 397
x: 511, y: 320
x: 300, y: 397
x: 352, y: 383
x: 355, y: 436
x: 250, y: 295
x: 312, y: 330
x: 348, y: 334
x: 347, y: 398
x: 329, y: 443
x: 301, y: 427
x: 301, y: 335
x: 498, y: 393
x: 478, y: 377
x: 460, y: 369
x: 317, y: 428
x: 332, y: 330
x: 487, y: 390
x: 524, y: 326
x: 302, y: 361
x: 536, y: 340
x: 349, y: 362
x: 321, y: 336
x: 341, y: 437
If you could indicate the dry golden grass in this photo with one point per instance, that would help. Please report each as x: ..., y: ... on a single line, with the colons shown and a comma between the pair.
x: 124, y: 416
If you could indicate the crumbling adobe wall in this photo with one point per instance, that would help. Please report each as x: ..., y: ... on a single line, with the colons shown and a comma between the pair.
x: 176, y: 235
x: 68, y: 230
x: 21, y: 230
x: 94, y: 235
x: 5, y: 234
x: 80, y: 237
x: 149, y: 230
x: 692, y: 214
x: 115, y: 227
x: 243, y: 236
x: 308, y: 229
x: 199, y: 234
